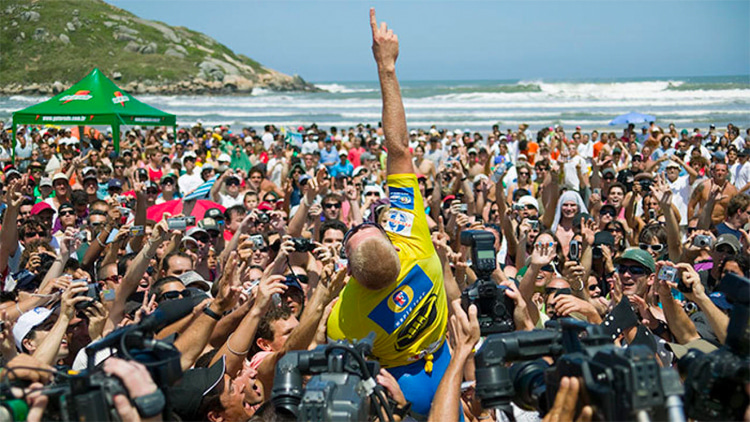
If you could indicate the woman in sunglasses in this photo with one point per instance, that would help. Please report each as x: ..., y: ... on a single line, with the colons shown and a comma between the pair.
x: 524, y: 181
x: 653, y: 238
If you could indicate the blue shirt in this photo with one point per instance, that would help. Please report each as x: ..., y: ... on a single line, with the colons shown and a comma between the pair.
x: 331, y: 156
x: 346, y: 169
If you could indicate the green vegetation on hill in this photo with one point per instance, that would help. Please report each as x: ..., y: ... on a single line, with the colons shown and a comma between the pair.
x: 62, y: 40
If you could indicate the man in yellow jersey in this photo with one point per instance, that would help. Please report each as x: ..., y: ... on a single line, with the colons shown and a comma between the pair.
x: 396, y: 288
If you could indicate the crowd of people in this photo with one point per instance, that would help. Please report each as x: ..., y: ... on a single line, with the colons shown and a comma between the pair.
x: 354, y: 231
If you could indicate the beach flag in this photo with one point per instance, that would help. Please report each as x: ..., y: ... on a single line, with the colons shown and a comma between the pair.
x: 292, y: 138
x: 202, y: 191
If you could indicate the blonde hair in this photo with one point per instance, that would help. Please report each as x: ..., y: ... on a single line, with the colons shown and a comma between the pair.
x: 375, y: 263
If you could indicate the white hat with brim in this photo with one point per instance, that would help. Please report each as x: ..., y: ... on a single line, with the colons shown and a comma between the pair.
x: 27, y: 321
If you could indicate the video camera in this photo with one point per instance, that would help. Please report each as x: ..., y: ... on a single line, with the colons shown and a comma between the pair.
x: 494, y: 307
x: 620, y: 383
x: 342, y: 386
x: 715, y: 382
x: 89, y: 394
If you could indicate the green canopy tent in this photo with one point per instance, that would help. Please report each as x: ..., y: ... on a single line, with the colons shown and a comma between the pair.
x: 94, y: 100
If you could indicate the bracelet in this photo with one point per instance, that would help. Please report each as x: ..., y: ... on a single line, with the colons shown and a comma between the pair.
x: 100, y: 242
x: 211, y: 313
x: 232, y: 351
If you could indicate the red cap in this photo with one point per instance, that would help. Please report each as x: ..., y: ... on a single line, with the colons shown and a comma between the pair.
x: 265, y: 206
x: 421, y: 176
x: 36, y: 209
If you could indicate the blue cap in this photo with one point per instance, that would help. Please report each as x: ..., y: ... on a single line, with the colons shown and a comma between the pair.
x: 291, y: 281
x: 720, y: 301
x: 114, y: 183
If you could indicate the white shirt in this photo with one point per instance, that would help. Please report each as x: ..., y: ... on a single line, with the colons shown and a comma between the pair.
x: 267, y: 140
x: 681, y: 196
x: 228, y: 201
x: 275, y: 167
x: 743, y: 176
x: 188, y: 182
x: 571, y: 173
x: 586, y: 150
x: 739, y: 142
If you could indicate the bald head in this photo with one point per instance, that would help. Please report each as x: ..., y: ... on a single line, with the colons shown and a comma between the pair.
x: 373, y: 261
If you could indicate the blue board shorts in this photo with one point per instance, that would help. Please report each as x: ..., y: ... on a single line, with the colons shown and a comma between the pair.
x: 418, y: 386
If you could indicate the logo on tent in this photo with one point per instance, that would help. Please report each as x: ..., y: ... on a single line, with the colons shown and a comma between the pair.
x: 120, y: 99
x: 80, y: 95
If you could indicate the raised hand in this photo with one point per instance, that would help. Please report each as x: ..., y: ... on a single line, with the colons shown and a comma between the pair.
x: 543, y: 254
x: 384, y: 43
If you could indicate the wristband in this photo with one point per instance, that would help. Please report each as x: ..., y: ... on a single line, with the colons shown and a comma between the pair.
x: 402, y: 411
x: 211, y: 313
x: 150, y: 405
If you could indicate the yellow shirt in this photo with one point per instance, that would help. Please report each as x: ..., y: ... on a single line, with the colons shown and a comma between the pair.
x: 408, y: 317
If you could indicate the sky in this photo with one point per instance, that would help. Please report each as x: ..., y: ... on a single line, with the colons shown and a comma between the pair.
x: 476, y: 40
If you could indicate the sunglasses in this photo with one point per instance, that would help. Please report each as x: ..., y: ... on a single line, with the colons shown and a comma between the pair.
x: 152, y: 191
x: 167, y: 182
x: 119, y: 167
x: 655, y: 248
x: 359, y: 227
x: 635, y: 270
x: 34, y: 234
x: 332, y: 205
x: 372, y: 194
x: 232, y: 182
x: 593, y: 287
x: 523, y: 173
x: 173, y: 295
x: 609, y: 178
x: 542, y: 169
x: 67, y: 213
x: 557, y: 292
x: 608, y: 212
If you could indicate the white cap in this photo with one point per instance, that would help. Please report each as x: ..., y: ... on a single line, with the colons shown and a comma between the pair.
x: 529, y: 200
x: 193, y: 279
x: 59, y: 176
x: 224, y: 157
x: 188, y: 154
x: 27, y: 321
x: 343, y: 152
x: 358, y: 170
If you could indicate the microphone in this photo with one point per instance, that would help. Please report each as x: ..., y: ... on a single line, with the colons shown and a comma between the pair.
x: 167, y: 314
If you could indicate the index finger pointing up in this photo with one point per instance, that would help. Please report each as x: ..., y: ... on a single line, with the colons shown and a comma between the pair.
x: 373, y: 21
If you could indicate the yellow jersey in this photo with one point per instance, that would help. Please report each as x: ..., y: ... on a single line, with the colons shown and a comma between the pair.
x: 408, y: 317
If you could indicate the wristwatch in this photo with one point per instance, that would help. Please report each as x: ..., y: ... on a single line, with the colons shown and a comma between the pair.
x: 211, y: 313
x: 150, y: 405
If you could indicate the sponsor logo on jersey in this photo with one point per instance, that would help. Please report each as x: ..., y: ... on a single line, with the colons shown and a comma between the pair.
x: 397, y: 307
x: 401, y: 197
x: 399, y: 222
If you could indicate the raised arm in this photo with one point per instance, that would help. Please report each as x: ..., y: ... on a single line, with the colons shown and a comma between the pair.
x: 385, y: 50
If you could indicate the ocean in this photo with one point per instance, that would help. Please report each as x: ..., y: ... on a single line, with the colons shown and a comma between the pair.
x: 474, y: 105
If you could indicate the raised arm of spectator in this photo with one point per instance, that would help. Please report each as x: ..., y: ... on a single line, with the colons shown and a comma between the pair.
x: 67, y: 245
x: 9, y: 231
x: 440, y: 241
x: 542, y: 255
x: 464, y: 334
x: 718, y: 320
x: 240, y: 341
x: 193, y: 340
x: 216, y: 188
x: 136, y: 269
x: 714, y: 196
x: 303, y: 334
x: 314, y: 186
x: 385, y: 50
x: 97, y: 246
x: 355, y: 213
x: 505, y: 224
x: 48, y: 347
x: 550, y: 196
x: 136, y: 242
x: 680, y: 325
x: 663, y: 194
x: 691, y: 171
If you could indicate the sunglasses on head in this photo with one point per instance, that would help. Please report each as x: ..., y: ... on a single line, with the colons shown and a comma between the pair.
x: 635, y: 270
x: 655, y: 248
x: 359, y: 227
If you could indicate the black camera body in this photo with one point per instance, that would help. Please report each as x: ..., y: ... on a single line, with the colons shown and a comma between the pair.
x: 263, y: 217
x: 85, y: 397
x: 618, y: 382
x: 335, y: 390
x: 494, y: 307
x: 92, y: 292
x: 303, y: 245
x: 715, y: 382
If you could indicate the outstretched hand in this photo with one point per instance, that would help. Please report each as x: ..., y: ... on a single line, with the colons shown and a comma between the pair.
x: 384, y: 43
